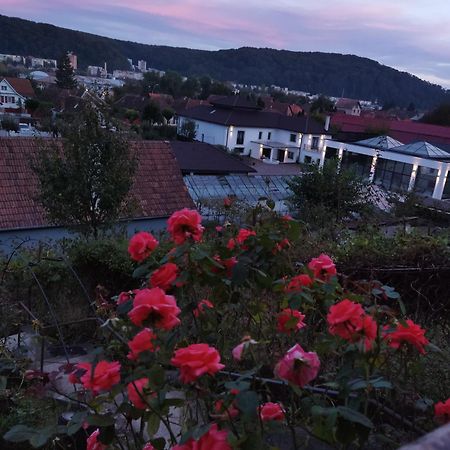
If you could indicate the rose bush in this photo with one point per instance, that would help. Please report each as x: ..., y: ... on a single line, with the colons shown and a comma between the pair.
x: 244, y: 330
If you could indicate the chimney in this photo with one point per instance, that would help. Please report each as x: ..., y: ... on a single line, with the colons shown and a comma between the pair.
x: 327, y: 123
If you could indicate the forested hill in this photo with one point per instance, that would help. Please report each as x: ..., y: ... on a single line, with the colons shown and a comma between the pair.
x: 315, y: 72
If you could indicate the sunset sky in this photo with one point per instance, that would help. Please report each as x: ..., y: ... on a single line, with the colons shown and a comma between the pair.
x: 411, y: 35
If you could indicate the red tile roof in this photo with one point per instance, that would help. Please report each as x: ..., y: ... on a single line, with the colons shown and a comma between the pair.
x: 403, y: 130
x: 159, y: 188
x: 21, y: 85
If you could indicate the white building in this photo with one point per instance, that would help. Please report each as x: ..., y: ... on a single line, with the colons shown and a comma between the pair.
x: 241, y: 126
x: 142, y: 65
x: 43, y: 62
x: 14, y: 92
x: 128, y: 75
x: 96, y: 71
x: 420, y: 166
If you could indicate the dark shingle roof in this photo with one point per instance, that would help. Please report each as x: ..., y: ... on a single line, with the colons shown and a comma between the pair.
x: 201, y: 158
x: 159, y: 188
x: 253, y: 119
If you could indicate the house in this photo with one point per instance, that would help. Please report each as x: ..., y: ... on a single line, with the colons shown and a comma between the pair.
x: 241, y: 126
x: 200, y: 158
x: 348, y: 106
x: 158, y: 191
x: 14, y: 92
x: 406, y: 131
x: 419, y: 166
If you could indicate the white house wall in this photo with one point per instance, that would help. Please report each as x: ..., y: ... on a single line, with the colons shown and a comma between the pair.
x: 7, y: 93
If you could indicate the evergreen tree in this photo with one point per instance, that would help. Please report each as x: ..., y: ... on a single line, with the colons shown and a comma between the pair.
x: 65, y: 78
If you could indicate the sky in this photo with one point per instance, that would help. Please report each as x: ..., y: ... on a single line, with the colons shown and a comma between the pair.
x: 410, y: 35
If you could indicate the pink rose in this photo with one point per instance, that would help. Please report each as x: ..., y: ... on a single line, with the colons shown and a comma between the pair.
x: 141, y: 246
x: 154, y: 304
x: 136, y: 393
x: 165, y: 276
x: 202, y: 306
x: 297, y: 366
x: 196, y: 360
x: 102, y: 378
x: 322, y: 267
x: 92, y: 442
x: 290, y: 320
x: 143, y: 341
x: 238, y: 351
x: 213, y: 439
x: 185, y: 224
x: 271, y: 411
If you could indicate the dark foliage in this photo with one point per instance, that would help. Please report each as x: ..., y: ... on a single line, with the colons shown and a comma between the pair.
x: 316, y: 72
x: 439, y: 116
x: 65, y: 78
x: 85, y: 184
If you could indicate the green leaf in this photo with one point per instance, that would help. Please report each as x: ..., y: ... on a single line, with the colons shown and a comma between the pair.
x: 141, y: 271
x: 107, y: 435
x: 76, y: 422
x: 153, y: 424
x: 19, y: 433
x: 100, y: 421
x: 354, y: 416
x: 159, y: 443
x: 247, y: 402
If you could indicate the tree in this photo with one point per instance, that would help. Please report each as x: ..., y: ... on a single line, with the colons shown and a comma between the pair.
x: 65, y: 78
x: 152, y: 113
x: 322, y: 105
x: 327, y: 194
x: 84, y: 179
x: 9, y: 124
x: 439, y: 116
x: 31, y: 104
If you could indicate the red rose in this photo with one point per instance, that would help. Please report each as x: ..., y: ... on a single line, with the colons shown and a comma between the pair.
x: 280, y: 246
x: 165, y: 276
x: 123, y: 297
x: 322, y: 267
x: 243, y: 235
x: 213, y: 439
x: 196, y: 360
x: 227, y: 202
x: 141, y: 245
x: 231, y: 244
x: 298, y: 283
x: 410, y: 334
x: 227, y: 263
x: 102, y: 378
x: 136, y: 393
x: 154, y: 304
x: 143, y: 341
x: 225, y: 413
x: 290, y: 320
x: 442, y: 411
x: 271, y: 411
x: 92, y: 442
x: 148, y: 446
x: 345, y: 319
x: 185, y: 224
x: 297, y: 366
x: 201, y: 307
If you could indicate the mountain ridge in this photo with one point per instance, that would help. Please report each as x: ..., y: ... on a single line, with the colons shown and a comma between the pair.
x: 315, y: 72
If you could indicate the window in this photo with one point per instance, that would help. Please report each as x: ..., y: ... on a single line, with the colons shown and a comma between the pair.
x: 267, y: 152
x: 315, y: 143
x: 203, y: 137
x: 13, y: 99
x: 290, y: 155
x: 260, y: 135
x: 240, y: 137
x: 269, y: 135
x: 307, y: 159
x: 393, y: 175
x: 293, y: 137
x: 4, y: 88
x: 2, y: 99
